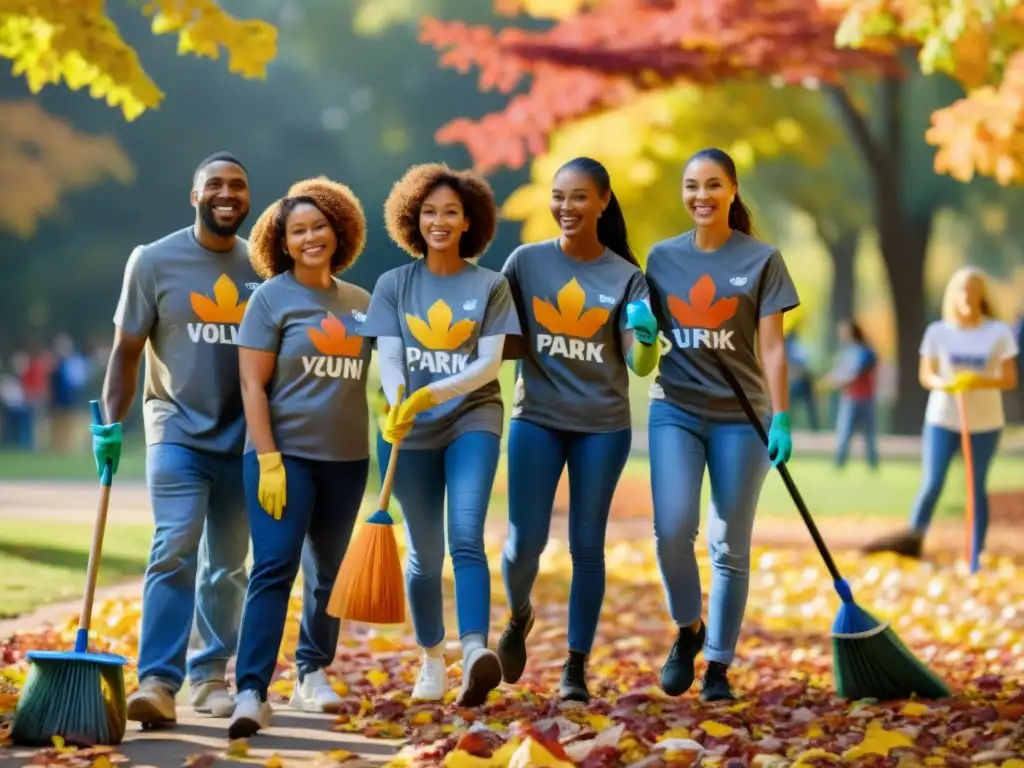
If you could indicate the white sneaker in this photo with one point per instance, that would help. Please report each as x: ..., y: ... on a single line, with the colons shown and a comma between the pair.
x: 212, y: 698
x: 481, y: 674
x: 315, y: 694
x: 152, y: 704
x: 432, y: 683
x: 252, y: 714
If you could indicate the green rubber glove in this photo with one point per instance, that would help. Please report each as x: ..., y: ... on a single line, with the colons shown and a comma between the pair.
x: 106, y: 446
x: 780, y: 441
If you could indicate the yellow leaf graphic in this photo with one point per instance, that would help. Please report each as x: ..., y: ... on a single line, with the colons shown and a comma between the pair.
x: 224, y: 308
x: 437, y: 332
x: 569, y: 319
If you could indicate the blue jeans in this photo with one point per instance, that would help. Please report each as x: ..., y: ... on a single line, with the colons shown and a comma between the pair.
x: 938, y: 447
x: 323, y: 501
x: 465, y: 469
x: 536, y: 458
x: 197, y: 497
x: 856, y: 415
x: 681, y: 444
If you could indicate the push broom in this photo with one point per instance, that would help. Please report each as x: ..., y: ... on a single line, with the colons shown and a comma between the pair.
x: 77, y: 695
x: 869, y: 660
x: 370, y: 588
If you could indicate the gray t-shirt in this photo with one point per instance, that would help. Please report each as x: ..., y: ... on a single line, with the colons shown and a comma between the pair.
x: 318, y: 406
x: 573, y: 374
x: 188, y: 301
x: 713, y: 301
x: 440, y: 318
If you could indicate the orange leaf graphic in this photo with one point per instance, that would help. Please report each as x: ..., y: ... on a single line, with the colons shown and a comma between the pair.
x: 333, y: 340
x: 702, y: 311
x: 569, y: 319
x: 223, y: 308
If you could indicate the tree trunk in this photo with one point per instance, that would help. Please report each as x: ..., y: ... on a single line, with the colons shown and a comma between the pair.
x: 843, y: 249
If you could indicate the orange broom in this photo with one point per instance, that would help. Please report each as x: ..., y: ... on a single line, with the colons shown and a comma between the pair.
x: 965, y: 448
x: 370, y: 587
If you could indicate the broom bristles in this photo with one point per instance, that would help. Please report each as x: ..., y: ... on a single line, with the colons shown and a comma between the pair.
x: 370, y: 587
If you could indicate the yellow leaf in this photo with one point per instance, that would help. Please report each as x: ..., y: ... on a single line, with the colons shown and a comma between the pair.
x: 1013, y: 762
x: 377, y: 677
x: 715, y: 728
x: 274, y: 762
x: 238, y: 748
x: 341, y: 755
x: 805, y: 758
x: 814, y: 731
x: 532, y: 754
x: 423, y: 718
x: 914, y: 709
x: 675, y: 733
x: 381, y: 644
x: 878, y: 741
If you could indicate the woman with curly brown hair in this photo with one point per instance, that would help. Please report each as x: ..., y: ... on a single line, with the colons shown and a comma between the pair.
x: 440, y: 325
x: 303, y: 368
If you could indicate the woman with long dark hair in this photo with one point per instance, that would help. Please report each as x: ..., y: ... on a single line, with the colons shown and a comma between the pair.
x: 719, y: 295
x: 583, y: 307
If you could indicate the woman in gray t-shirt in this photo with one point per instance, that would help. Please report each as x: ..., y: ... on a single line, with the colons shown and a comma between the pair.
x: 303, y: 367
x: 440, y: 324
x: 719, y: 295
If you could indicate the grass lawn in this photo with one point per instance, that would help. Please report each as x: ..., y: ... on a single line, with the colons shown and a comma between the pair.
x: 42, y: 562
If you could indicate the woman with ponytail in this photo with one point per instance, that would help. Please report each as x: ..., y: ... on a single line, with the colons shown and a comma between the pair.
x: 585, y: 314
x: 719, y: 295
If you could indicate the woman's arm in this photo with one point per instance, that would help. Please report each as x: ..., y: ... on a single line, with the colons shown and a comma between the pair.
x: 928, y: 373
x: 481, y: 371
x: 256, y: 368
x: 1006, y: 380
x: 391, y: 358
x: 772, y: 348
x: 641, y: 358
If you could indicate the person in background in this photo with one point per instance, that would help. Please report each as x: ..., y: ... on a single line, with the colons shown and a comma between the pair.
x: 69, y: 375
x: 583, y: 290
x: 304, y: 369
x: 16, y: 421
x: 181, y: 302
x: 972, y: 353
x: 719, y: 295
x: 801, y: 380
x: 440, y: 325
x: 855, y: 376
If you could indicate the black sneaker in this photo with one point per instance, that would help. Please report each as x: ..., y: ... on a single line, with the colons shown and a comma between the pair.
x: 716, y: 683
x: 512, y: 645
x: 909, y: 543
x: 677, y: 674
x: 574, y: 678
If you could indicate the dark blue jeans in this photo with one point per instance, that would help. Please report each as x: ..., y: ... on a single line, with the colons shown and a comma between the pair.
x: 856, y: 415
x: 323, y: 500
x: 464, y: 469
x: 682, y: 444
x: 938, y: 447
x: 536, y: 457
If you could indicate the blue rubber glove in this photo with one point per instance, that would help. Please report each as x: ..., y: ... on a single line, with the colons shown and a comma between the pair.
x: 106, y: 446
x: 780, y: 441
x: 640, y: 320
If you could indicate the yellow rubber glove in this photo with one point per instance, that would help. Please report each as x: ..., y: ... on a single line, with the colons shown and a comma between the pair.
x: 400, y: 418
x: 963, y: 382
x: 271, y: 491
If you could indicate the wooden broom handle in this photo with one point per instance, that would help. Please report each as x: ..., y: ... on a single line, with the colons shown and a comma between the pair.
x: 389, y: 478
x: 965, y: 448
x: 98, y: 530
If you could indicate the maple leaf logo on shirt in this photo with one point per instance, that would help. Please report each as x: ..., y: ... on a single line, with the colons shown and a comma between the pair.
x: 224, y: 307
x: 702, y: 311
x: 569, y: 319
x: 437, y: 332
x: 333, y: 340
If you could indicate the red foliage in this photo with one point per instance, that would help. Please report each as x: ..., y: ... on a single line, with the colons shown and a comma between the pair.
x: 603, y: 58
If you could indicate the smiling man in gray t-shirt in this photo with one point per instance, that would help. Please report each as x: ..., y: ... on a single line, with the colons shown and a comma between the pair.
x: 181, y: 302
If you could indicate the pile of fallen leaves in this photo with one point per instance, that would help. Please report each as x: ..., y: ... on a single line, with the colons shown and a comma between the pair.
x: 969, y: 628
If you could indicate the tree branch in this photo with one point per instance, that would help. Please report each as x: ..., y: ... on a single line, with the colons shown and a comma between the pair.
x: 856, y: 125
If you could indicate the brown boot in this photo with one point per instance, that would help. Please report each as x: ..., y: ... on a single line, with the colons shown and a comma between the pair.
x: 908, y: 543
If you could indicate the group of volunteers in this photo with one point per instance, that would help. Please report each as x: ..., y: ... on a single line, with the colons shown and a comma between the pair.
x: 257, y: 420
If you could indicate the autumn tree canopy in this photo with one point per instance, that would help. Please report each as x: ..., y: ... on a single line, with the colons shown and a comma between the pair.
x: 76, y: 43
x: 599, y: 55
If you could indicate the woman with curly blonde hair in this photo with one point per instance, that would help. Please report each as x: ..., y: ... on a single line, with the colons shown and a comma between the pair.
x: 440, y: 325
x: 303, y: 368
x: 970, y: 352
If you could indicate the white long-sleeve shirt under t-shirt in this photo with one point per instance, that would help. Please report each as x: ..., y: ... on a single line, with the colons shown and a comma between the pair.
x: 483, y: 370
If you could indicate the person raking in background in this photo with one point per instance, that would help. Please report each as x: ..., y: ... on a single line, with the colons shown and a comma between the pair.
x: 582, y: 303
x: 182, y: 300
x: 717, y: 291
x: 855, y: 374
x: 440, y: 324
x: 971, y: 352
x: 801, y: 378
x: 304, y: 369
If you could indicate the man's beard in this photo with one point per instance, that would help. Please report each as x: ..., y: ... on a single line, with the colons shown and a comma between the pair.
x: 221, y: 230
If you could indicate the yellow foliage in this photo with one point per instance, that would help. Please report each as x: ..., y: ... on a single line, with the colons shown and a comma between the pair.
x: 55, y: 41
x: 42, y: 157
x: 645, y: 144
